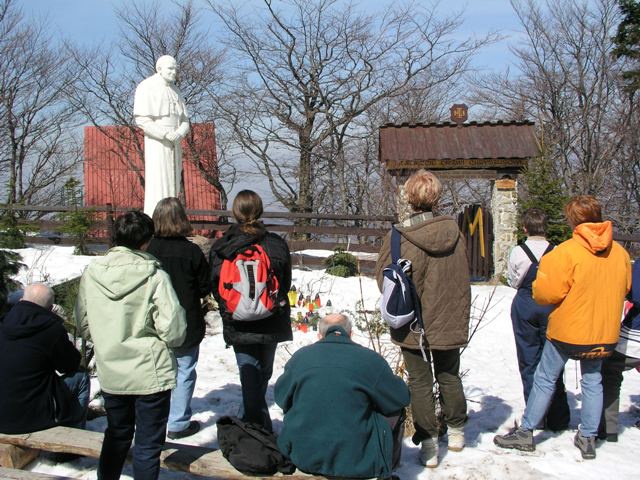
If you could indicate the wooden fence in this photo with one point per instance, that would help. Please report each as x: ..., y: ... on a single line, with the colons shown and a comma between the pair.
x: 357, y: 233
x: 303, y: 231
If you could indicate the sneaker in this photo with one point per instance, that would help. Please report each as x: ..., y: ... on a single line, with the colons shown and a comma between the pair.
x: 429, y: 453
x: 194, y: 427
x: 456, y: 439
x: 517, y: 438
x: 586, y: 445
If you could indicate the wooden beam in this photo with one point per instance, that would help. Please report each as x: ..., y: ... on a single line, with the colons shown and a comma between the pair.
x: 212, y: 213
x: 16, y: 457
x: 192, y: 459
x: 11, y: 474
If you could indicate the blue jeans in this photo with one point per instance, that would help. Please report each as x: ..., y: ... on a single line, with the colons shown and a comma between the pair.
x: 255, y: 363
x: 79, y: 385
x: 529, y: 322
x: 146, y: 415
x: 180, y: 412
x: 544, y: 384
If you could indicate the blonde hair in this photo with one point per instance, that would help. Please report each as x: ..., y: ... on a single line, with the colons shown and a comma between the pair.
x: 247, y: 210
x: 422, y: 190
x: 170, y: 219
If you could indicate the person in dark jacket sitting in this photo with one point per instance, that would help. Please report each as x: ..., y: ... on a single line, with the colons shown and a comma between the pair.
x: 189, y: 272
x: 254, y: 341
x: 340, y: 400
x: 34, y: 347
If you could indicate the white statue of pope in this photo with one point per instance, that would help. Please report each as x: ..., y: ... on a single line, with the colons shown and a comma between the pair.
x: 160, y: 111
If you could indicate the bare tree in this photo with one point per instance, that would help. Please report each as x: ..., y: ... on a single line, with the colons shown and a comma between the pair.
x: 567, y: 81
x: 37, y: 121
x: 311, y: 69
x: 110, y: 77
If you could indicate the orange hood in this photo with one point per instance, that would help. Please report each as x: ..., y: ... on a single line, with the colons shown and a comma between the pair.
x: 595, y: 237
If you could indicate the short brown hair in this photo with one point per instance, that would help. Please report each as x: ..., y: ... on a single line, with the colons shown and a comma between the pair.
x: 422, y: 190
x: 534, y: 221
x: 583, y: 209
x: 247, y: 209
x: 170, y: 219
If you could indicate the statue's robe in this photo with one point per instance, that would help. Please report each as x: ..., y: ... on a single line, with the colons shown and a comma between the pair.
x: 159, y: 108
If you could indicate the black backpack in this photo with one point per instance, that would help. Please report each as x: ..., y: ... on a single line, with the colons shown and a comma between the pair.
x: 250, y: 448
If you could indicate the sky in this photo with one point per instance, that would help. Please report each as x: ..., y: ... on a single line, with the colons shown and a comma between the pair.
x: 91, y: 22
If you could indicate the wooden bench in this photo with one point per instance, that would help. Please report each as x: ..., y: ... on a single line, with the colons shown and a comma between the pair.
x: 12, y: 474
x: 175, y: 456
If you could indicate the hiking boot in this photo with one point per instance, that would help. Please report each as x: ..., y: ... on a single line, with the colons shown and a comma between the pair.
x: 586, y: 445
x: 456, y: 439
x: 429, y: 453
x: 517, y: 438
x: 194, y: 427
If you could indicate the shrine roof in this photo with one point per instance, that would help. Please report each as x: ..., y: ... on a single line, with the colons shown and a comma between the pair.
x: 449, y: 145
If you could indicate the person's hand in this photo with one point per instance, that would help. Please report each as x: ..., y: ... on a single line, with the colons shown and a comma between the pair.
x: 171, y: 136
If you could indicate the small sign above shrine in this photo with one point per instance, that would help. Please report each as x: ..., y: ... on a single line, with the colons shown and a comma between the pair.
x: 459, y: 113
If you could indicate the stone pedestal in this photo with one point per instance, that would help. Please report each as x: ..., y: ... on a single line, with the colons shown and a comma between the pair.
x: 504, y: 209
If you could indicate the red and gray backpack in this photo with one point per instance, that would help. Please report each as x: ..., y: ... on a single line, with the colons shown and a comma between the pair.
x: 248, y: 285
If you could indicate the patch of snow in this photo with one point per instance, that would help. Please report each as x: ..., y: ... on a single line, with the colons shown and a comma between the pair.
x: 491, y: 382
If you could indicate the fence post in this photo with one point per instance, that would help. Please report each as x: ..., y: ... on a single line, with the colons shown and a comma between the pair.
x: 110, y: 221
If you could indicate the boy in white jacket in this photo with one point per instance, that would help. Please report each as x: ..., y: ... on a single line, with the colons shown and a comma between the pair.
x: 529, y: 319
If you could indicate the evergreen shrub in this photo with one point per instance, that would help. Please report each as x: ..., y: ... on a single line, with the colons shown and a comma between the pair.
x: 342, y: 264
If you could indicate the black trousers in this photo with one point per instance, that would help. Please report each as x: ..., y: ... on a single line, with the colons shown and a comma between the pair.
x: 612, y: 368
x: 144, y: 415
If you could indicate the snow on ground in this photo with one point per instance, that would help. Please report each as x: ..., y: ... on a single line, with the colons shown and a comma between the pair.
x: 50, y: 265
x: 491, y: 381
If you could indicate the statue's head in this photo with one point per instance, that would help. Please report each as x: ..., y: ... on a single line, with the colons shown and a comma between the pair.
x: 167, y: 67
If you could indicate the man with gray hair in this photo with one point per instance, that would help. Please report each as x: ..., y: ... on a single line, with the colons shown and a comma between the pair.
x: 337, y: 398
x: 34, y: 349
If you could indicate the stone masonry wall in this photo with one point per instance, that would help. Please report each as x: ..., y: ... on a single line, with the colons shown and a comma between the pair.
x: 504, y: 205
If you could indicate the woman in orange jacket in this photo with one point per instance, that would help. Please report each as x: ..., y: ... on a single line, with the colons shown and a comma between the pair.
x: 586, y: 278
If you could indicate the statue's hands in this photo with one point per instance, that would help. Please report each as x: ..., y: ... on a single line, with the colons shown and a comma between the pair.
x: 172, y: 136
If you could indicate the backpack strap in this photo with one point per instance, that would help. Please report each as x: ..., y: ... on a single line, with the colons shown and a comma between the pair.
x: 530, y: 254
x: 395, y: 244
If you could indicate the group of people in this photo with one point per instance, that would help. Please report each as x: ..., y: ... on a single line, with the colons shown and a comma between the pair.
x: 140, y: 306
x: 568, y: 306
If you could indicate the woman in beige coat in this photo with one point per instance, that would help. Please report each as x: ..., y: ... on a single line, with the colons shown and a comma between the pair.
x: 440, y: 272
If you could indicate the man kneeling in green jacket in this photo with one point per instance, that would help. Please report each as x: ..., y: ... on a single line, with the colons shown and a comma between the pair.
x: 336, y: 396
x: 127, y: 306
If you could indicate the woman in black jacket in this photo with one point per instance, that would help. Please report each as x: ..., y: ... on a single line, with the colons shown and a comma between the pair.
x: 254, y: 341
x: 189, y: 272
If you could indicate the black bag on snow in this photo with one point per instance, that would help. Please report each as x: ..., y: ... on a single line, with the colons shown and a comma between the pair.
x: 250, y: 448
